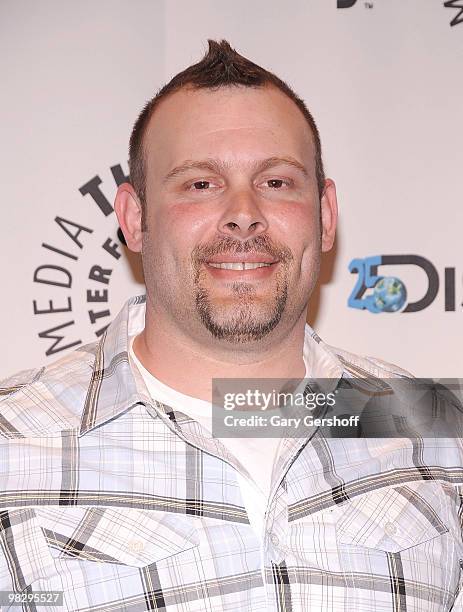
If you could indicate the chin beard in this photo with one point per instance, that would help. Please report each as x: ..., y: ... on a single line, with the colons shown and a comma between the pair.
x: 243, y: 324
x: 246, y: 318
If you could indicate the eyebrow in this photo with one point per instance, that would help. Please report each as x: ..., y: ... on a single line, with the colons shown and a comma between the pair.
x: 216, y: 166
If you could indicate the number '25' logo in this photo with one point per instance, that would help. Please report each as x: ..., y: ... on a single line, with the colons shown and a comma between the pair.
x: 389, y: 292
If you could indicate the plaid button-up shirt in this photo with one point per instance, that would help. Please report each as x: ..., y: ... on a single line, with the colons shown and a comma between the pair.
x: 124, y: 504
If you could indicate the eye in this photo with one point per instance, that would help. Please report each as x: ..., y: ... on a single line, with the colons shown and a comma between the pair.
x: 276, y: 183
x: 200, y: 185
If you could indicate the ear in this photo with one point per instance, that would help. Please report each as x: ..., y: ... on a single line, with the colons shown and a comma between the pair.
x: 129, y: 214
x: 329, y: 214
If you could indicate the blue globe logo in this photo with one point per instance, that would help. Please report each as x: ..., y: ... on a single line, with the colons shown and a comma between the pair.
x: 389, y: 294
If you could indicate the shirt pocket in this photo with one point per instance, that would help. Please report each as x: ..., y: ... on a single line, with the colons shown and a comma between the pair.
x: 116, y: 535
x: 393, y: 519
x: 25, y: 557
x: 408, y: 539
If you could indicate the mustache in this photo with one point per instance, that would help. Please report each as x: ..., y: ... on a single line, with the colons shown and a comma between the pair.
x: 225, y: 244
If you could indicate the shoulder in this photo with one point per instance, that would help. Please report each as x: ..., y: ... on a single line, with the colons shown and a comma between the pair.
x: 365, y: 365
x: 338, y: 360
x: 38, y: 401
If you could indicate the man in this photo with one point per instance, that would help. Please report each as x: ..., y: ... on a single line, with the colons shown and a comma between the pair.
x: 117, y: 493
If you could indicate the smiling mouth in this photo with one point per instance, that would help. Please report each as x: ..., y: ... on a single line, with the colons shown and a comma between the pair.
x: 242, y: 265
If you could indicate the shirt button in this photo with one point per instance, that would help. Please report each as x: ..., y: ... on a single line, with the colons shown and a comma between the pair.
x: 274, y: 539
x: 390, y: 529
x: 136, y: 546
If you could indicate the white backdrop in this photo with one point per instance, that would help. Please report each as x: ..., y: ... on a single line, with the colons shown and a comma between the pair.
x: 382, y: 79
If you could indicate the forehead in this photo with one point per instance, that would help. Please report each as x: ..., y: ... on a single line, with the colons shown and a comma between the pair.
x: 235, y: 124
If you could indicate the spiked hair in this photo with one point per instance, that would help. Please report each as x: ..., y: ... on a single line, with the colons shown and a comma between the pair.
x: 221, y: 66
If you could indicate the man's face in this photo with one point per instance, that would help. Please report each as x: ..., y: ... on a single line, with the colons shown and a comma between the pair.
x: 233, y: 215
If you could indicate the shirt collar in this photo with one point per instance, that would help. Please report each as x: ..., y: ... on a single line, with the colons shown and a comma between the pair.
x: 116, y: 384
x: 113, y: 389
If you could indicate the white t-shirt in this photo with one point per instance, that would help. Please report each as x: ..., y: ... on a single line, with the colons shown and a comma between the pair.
x: 256, y: 454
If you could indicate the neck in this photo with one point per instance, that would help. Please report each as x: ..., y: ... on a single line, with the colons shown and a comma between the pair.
x: 189, y: 364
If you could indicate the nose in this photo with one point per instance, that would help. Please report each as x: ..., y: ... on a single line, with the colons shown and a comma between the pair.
x: 242, y: 217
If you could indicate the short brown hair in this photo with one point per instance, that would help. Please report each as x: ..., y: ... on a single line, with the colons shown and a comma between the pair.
x: 222, y: 66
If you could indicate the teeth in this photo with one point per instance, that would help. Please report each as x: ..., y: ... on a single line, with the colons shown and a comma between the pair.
x: 239, y: 265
